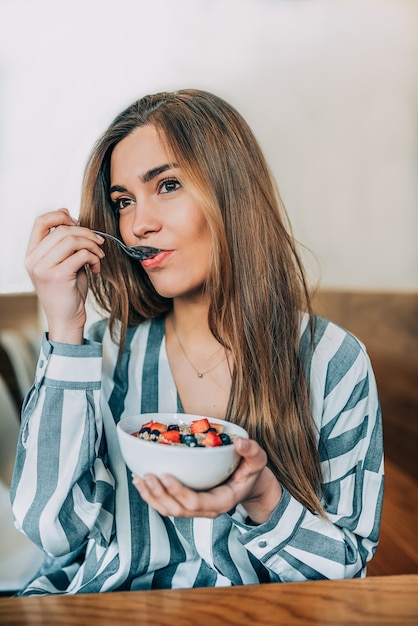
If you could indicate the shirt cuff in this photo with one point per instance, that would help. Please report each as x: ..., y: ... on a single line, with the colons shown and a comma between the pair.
x: 67, y: 363
x: 270, y: 537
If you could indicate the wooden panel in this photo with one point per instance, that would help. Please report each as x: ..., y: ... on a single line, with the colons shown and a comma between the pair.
x: 397, y: 552
x: 20, y: 336
x: 387, y: 323
x: 383, y: 601
x: 19, y: 311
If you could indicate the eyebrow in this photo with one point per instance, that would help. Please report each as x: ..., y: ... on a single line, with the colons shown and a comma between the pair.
x: 148, y: 176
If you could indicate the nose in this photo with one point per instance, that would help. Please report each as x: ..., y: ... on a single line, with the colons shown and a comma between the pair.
x: 145, y: 221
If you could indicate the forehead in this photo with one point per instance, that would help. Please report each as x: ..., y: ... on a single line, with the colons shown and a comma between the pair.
x: 142, y: 144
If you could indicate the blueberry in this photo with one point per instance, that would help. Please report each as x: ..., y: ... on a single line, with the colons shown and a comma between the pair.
x: 173, y: 427
x: 211, y: 430
x: 226, y: 439
x: 189, y: 440
x: 144, y: 430
x: 156, y: 433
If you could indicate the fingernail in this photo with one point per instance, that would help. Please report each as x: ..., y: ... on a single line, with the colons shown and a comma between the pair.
x: 243, y: 444
x: 99, y: 238
x: 138, y: 482
x: 166, y: 480
x: 149, y: 481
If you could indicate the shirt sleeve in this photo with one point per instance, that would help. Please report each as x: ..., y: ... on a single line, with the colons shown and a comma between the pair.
x: 62, y: 491
x: 295, y: 544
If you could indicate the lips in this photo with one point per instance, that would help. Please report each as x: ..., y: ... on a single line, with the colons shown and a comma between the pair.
x: 156, y: 260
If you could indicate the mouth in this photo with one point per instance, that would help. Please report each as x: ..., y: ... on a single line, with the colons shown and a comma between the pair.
x: 156, y: 260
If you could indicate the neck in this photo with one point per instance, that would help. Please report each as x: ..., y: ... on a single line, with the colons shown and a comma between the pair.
x: 190, y: 319
x: 190, y: 340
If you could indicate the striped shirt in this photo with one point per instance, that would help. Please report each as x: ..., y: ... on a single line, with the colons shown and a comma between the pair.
x: 72, y: 493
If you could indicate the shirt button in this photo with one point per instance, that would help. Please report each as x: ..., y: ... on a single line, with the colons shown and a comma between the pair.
x: 262, y: 544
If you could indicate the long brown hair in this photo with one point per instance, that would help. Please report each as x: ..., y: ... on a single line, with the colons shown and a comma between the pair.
x: 256, y: 283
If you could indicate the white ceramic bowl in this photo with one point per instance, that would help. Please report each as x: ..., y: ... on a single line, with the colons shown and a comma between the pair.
x: 198, y: 468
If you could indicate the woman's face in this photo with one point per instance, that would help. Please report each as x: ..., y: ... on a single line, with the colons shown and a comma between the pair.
x: 156, y: 210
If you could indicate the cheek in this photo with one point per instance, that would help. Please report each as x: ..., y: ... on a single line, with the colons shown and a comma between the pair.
x: 195, y: 237
x: 203, y: 234
x: 200, y: 253
x: 125, y: 229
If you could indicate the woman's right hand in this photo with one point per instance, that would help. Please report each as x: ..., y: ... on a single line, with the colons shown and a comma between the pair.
x: 55, y: 260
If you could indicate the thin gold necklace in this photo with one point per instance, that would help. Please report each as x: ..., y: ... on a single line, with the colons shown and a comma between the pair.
x: 199, y: 374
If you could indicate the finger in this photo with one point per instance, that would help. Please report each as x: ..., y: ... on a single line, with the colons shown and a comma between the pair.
x: 95, y: 268
x: 210, y: 503
x: 45, y: 222
x: 65, y: 241
x: 197, y: 503
x: 155, y: 495
x: 67, y: 258
x: 254, y: 456
x: 253, y: 462
x: 62, y: 243
x: 170, y: 497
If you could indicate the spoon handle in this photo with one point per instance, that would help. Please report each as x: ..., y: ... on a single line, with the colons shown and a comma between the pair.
x: 136, y: 252
x: 99, y: 232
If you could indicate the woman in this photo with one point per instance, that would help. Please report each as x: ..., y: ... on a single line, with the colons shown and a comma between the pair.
x: 219, y: 323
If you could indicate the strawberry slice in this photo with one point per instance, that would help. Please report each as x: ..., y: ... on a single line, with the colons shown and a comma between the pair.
x: 158, y: 426
x: 155, y: 426
x: 218, y: 427
x: 199, y: 426
x: 172, y: 435
x: 211, y: 440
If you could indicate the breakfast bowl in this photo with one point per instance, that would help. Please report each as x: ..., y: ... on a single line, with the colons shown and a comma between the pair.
x: 200, y: 465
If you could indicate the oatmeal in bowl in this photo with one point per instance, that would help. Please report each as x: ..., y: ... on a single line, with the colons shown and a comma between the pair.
x: 196, y: 449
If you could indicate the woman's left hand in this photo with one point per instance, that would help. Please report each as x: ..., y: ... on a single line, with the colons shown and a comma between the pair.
x: 252, y: 484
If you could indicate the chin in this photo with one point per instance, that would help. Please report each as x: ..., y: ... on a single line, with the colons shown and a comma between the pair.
x: 185, y: 291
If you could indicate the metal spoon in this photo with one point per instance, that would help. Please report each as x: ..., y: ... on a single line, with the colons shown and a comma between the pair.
x: 136, y: 252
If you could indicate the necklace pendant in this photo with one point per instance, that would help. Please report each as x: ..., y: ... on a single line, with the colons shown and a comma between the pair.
x: 199, y: 374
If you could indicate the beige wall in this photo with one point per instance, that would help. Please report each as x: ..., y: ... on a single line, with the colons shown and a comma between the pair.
x: 330, y: 88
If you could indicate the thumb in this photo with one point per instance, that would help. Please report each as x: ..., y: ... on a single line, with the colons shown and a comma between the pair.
x: 242, y: 446
x: 255, y: 457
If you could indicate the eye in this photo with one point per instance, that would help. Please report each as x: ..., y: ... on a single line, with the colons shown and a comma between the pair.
x: 168, y: 185
x: 121, y: 203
